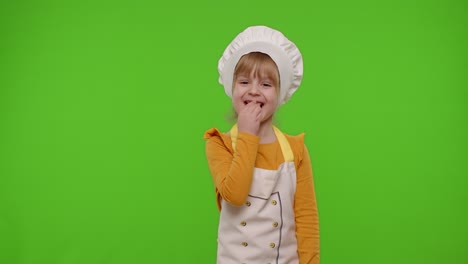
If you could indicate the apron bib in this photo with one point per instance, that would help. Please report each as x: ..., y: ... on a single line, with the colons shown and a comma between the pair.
x: 263, y: 230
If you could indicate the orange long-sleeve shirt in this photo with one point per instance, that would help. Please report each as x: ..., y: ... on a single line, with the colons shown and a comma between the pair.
x: 232, y: 173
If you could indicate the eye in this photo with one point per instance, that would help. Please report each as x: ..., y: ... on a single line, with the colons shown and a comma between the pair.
x: 267, y: 84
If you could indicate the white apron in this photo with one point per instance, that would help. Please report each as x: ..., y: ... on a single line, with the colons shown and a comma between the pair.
x: 263, y: 230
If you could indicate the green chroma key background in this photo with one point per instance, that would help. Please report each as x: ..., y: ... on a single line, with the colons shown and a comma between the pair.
x: 103, y: 107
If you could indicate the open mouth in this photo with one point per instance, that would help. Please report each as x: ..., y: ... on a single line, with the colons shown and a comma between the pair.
x: 248, y: 101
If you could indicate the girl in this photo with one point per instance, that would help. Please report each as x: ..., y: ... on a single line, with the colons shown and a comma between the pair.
x: 262, y: 177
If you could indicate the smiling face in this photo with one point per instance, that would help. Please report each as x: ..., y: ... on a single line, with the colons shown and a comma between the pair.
x: 256, y: 79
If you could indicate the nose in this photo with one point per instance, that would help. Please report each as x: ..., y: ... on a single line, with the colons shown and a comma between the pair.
x: 254, y: 89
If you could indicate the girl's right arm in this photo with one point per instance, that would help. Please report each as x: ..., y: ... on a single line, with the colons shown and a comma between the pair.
x: 231, y: 170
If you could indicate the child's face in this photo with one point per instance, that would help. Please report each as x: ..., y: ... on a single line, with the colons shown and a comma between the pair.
x: 258, y: 89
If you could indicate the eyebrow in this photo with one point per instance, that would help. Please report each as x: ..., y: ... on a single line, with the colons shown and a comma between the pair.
x: 242, y: 76
x: 267, y: 79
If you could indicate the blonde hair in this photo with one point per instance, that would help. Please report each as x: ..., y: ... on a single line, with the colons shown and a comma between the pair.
x: 261, y: 65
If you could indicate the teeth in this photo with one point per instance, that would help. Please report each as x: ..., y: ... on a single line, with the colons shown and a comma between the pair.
x: 248, y: 101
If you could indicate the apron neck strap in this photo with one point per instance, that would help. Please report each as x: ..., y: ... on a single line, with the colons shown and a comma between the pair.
x: 284, y: 144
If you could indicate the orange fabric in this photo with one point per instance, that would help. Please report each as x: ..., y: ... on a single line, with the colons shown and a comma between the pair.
x: 232, y: 175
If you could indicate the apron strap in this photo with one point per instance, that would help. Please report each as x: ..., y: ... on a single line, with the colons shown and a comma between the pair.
x: 284, y: 144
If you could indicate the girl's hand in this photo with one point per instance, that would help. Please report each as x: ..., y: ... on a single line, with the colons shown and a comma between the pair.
x: 249, y: 118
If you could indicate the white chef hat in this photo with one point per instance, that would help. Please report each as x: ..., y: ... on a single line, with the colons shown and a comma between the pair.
x: 266, y: 40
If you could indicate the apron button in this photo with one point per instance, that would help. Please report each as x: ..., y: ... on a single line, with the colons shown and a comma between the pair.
x: 272, y: 245
x: 247, y: 203
x: 243, y: 223
x: 245, y: 244
x: 273, y: 202
x: 275, y: 224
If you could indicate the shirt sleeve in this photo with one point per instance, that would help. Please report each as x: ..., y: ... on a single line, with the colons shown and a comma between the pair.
x: 232, y: 170
x: 306, y: 213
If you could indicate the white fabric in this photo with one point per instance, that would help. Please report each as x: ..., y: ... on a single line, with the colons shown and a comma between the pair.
x: 271, y: 199
x: 263, y: 39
